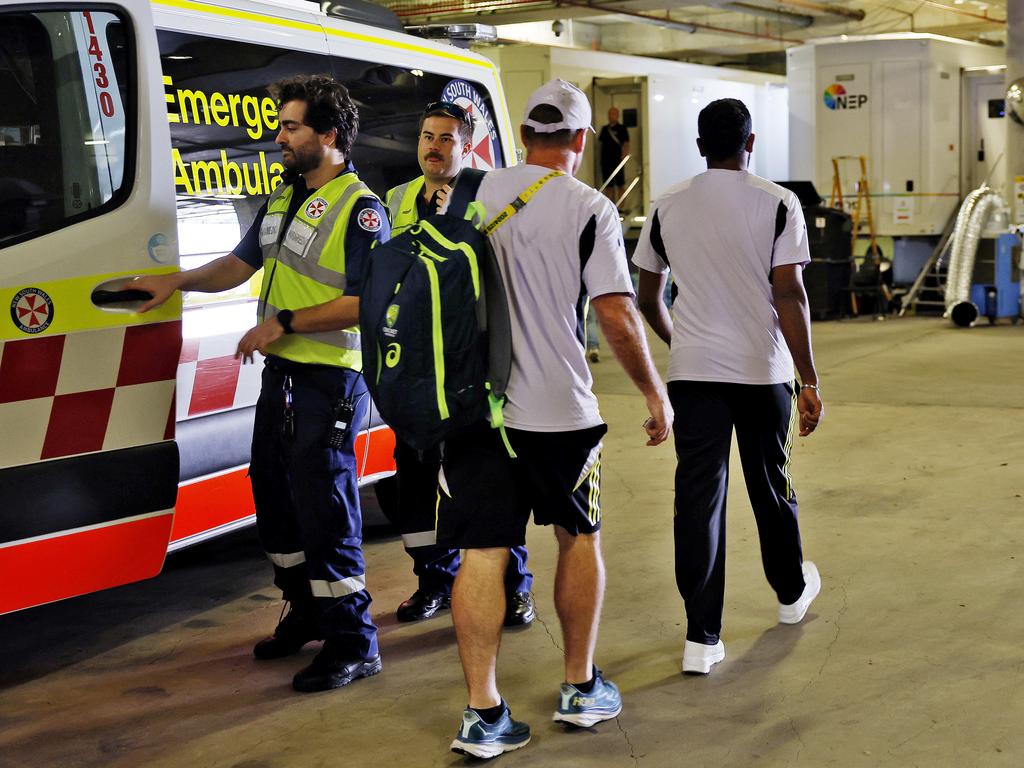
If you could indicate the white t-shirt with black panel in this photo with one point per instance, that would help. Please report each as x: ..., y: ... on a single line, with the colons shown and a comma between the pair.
x: 721, y: 233
x: 564, y: 245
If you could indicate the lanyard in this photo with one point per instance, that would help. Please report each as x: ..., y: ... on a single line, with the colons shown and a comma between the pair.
x: 517, y: 205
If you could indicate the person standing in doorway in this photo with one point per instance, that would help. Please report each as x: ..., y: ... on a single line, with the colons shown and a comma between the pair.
x: 614, y: 146
x: 736, y: 246
x: 444, y: 143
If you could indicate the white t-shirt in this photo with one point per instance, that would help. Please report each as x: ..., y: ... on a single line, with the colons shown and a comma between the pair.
x: 721, y: 233
x: 565, y: 244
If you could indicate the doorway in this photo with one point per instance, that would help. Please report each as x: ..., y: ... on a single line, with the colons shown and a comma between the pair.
x: 984, y: 131
x: 628, y: 96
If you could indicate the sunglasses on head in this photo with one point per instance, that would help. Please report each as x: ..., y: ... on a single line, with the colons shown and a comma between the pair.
x: 451, y: 108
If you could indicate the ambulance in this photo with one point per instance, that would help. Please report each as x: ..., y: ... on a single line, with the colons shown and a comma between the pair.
x: 138, y: 138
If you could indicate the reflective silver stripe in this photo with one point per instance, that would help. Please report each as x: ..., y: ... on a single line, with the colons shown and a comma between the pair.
x: 396, y: 198
x: 341, y: 588
x: 287, y: 559
x: 326, y: 225
x: 342, y: 339
x: 422, y: 539
x: 307, y: 262
x: 308, y: 267
x: 394, y: 201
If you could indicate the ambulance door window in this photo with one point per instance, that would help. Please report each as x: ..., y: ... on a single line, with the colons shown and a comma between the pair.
x: 391, y: 101
x: 223, y: 124
x: 67, y: 126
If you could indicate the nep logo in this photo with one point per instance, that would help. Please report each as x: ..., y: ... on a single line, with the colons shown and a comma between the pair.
x: 836, y: 97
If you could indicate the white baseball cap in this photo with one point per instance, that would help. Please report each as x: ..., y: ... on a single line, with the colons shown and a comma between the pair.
x: 567, y: 99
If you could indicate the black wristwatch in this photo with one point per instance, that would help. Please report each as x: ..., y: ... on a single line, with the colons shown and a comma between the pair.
x: 284, y: 317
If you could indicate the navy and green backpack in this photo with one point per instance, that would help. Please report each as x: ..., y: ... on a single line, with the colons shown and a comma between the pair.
x: 434, y: 323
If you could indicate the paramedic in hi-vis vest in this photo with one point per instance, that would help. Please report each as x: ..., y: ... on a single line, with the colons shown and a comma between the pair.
x: 445, y: 141
x: 313, y: 241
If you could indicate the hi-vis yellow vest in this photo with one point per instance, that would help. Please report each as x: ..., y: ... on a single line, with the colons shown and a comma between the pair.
x: 304, y: 265
x: 401, y: 204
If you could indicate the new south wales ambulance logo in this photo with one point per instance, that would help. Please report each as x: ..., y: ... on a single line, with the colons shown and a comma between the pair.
x: 391, y: 316
x: 369, y: 220
x: 317, y: 207
x: 32, y: 310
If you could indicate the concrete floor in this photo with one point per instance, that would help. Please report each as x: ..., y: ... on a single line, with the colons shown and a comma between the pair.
x: 911, y: 502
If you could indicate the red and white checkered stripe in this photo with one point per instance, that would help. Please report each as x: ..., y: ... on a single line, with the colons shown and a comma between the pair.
x: 211, y: 379
x: 92, y: 391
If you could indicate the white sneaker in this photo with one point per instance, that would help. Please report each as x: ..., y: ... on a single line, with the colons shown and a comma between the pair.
x: 699, y: 658
x: 794, y: 614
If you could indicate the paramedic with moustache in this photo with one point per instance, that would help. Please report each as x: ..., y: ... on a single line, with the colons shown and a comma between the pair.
x: 736, y: 246
x: 313, y: 239
x: 444, y: 142
x: 562, y: 244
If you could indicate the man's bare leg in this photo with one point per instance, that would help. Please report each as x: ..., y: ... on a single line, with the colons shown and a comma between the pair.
x: 478, y: 610
x: 579, y: 593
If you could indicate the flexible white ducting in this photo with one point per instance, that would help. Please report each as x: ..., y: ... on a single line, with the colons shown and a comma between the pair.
x: 971, y: 219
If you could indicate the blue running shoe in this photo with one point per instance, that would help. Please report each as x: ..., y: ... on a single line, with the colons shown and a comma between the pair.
x: 481, y: 739
x: 586, y: 709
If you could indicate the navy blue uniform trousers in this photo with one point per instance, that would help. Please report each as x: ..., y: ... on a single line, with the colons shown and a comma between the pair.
x: 435, y: 566
x: 307, y: 499
x: 764, y: 417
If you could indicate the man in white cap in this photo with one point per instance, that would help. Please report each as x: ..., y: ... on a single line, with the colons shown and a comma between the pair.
x: 557, y: 241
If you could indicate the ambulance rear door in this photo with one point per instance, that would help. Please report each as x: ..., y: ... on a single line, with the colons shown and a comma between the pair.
x: 88, y: 462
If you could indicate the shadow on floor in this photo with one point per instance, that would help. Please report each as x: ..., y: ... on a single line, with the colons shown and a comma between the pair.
x: 40, y: 641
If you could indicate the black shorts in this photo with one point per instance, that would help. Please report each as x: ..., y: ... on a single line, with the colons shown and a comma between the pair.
x: 486, y: 497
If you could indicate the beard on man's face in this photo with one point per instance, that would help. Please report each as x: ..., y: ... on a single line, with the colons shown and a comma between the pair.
x: 299, y: 160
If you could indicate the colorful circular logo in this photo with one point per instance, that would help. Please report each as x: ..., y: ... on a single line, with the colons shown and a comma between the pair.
x: 831, y: 95
x: 32, y: 310
x: 486, y: 154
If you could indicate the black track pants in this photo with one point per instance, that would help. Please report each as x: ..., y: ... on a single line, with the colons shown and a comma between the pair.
x: 764, y: 417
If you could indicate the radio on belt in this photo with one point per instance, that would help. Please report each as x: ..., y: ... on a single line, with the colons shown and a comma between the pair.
x: 343, y: 413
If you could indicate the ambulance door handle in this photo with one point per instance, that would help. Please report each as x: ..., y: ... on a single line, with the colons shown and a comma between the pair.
x: 101, y: 297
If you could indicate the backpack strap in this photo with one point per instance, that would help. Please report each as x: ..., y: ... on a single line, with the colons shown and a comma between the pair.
x: 519, y: 203
x: 467, y: 184
x: 499, y: 327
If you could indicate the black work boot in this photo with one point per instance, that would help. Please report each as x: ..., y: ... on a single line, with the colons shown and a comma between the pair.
x: 423, y: 605
x: 294, y: 631
x: 520, y: 610
x: 334, y: 668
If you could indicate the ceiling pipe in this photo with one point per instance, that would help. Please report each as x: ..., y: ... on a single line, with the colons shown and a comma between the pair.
x: 775, y: 14
x: 827, y: 9
x: 493, y: 15
x: 655, y: 21
x: 962, y: 12
x: 686, y: 26
x: 430, y: 9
